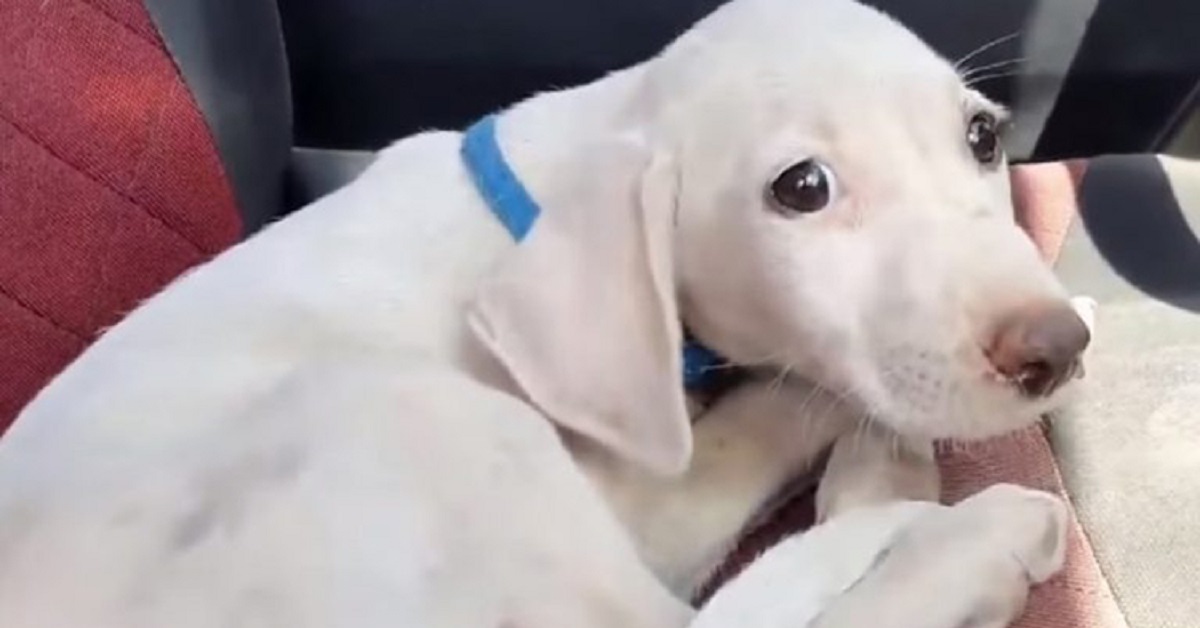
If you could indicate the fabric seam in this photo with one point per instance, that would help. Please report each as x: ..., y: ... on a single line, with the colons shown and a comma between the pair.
x: 75, y: 335
x: 105, y: 184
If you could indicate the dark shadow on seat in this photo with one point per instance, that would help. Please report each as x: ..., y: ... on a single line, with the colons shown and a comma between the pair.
x: 230, y: 53
x: 1139, y: 228
x: 315, y: 172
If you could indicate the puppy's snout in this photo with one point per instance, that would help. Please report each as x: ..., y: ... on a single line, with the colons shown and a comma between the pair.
x: 1039, y: 347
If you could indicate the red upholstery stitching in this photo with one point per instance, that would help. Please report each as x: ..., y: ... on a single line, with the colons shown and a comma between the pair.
x: 153, y: 144
x: 50, y: 151
x: 39, y: 315
x: 154, y: 133
x: 140, y: 35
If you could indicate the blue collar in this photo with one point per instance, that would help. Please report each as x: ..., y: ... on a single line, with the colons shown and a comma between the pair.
x: 516, y: 209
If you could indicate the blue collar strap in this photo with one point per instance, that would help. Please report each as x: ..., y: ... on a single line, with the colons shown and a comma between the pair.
x: 516, y: 209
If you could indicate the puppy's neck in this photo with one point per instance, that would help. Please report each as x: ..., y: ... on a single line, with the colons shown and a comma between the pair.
x: 545, y: 133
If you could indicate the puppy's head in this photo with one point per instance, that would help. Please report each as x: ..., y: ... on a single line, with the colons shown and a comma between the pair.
x: 844, y: 210
x: 808, y: 186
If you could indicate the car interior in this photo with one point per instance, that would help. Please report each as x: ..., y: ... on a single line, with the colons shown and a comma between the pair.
x: 141, y: 137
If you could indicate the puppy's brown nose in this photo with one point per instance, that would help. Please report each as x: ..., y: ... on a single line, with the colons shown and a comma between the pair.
x: 1038, y: 347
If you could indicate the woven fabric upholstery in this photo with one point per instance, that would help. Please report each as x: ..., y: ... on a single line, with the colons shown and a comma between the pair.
x: 110, y: 185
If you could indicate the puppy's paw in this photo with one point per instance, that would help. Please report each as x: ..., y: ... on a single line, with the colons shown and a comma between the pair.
x: 970, y: 564
x: 1032, y: 524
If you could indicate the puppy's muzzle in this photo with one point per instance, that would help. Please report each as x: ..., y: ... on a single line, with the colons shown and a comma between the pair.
x: 1039, y: 347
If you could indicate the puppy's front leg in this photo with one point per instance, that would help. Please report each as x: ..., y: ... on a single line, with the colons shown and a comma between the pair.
x: 748, y: 447
x: 903, y: 565
x: 874, y: 465
x: 970, y: 565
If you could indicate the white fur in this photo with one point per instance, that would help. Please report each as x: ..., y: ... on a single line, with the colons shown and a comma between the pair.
x: 382, y: 412
x: 903, y: 564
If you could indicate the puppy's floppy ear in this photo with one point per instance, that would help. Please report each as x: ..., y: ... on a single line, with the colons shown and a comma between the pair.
x: 582, y: 313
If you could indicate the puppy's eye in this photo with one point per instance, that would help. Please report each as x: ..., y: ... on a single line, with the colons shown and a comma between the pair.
x: 804, y: 187
x: 983, y: 138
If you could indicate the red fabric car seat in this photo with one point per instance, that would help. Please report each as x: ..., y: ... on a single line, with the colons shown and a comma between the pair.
x: 110, y: 182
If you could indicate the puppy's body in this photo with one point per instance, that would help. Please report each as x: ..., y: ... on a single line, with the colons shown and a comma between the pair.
x: 332, y: 442
x: 382, y: 411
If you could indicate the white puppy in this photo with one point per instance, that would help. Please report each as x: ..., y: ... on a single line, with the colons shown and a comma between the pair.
x: 383, y: 411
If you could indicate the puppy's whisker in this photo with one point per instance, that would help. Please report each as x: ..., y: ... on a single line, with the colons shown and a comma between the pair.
x: 985, y: 47
x: 872, y: 425
x: 975, y: 80
x: 838, y: 398
x: 769, y: 357
x: 817, y: 389
x: 987, y: 76
x: 729, y: 366
x: 778, y: 380
x: 1015, y: 69
x: 765, y: 361
x: 969, y: 72
x: 860, y: 429
x: 777, y: 383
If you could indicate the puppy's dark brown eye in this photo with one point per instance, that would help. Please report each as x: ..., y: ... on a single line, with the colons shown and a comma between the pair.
x: 983, y: 138
x: 804, y: 187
